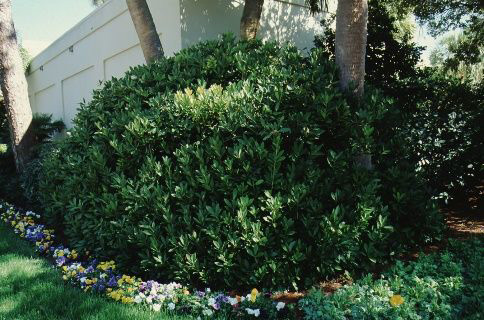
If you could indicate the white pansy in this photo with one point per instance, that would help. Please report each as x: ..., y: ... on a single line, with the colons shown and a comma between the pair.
x: 232, y: 301
x: 149, y: 299
x: 171, y: 306
x: 211, y: 301
x: 255, y: 312
x: 280, y: 305
x: 207, y: 312
x: 157, y: 307
x: 138, y: 299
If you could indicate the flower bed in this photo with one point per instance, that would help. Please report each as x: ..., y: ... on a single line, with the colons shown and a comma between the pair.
x: 445, y: 285
x: 102, y: 277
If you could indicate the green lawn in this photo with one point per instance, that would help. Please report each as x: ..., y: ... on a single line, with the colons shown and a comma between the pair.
x: 30, y: 289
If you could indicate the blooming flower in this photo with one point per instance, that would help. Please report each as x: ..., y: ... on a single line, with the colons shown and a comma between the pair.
x: 232, y: 301
x: 211, y: 301
x: 254, y: 312
x: 253, y: 294
x: 102, y: 277
x: 396, y: 300
x: 207, y: 312
x: 60, y: 261
x: 156, y: 307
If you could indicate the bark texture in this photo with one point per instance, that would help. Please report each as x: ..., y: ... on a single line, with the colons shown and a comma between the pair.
x: 250, y: 21
x: 146, y: 30
x: 350, y: 45
x: 14, y: 88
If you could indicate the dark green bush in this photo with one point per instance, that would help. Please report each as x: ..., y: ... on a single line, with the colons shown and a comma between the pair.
x: 232, y: 163
x: 9, y: 184
x: 22, y: 189
x: 44, y: 131
x: 443, y: 124
x: 441, y: 116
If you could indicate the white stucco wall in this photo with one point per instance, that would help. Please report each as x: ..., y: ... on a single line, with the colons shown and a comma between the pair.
x: 105, y: 44
x: 282, y: 20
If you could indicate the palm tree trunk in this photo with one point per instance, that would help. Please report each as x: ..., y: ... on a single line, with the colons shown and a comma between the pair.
x: 14, y: 88
x: 350, y: 45
x: 146, y: 30
x: 249, y: 23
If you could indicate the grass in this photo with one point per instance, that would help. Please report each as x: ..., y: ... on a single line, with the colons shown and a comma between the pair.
x: 31, y: 289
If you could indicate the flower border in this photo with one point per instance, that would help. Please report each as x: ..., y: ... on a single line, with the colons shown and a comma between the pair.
x: 102, y: 277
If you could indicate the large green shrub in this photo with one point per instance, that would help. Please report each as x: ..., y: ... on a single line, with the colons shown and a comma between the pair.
x: 232, y: 163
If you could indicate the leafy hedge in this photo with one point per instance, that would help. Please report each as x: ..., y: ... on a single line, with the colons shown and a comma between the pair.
x: 232, y: 163
x: 443, y: 124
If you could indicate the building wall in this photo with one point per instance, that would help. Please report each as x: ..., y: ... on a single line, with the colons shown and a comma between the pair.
x: 101, y: 46
x: 105, y: 44
x: 286, y: 21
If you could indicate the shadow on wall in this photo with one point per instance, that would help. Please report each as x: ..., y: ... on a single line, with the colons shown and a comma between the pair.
x: 280, y: 21
x: 202, y: 20
x: 294, y: 23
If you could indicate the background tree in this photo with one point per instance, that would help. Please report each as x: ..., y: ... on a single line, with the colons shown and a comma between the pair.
x: 145, y: 28
x: 250, y: 21
x: 465, y: 51
x: 350, y: 45
x: 391, y: 53
x: 14, y: 88
x: 461, y: 55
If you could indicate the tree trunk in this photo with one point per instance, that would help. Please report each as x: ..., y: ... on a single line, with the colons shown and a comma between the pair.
x: 146, y: 30
x: 350, y: 45
x: 249, y: 23
x: 14, y: 88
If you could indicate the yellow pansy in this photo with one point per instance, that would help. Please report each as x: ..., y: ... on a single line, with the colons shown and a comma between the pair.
x: 396, y: 300
x: 253, y: 294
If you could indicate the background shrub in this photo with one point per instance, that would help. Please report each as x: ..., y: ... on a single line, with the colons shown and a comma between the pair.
x: 440, y: 116
x: 232, y: 163
x: 22, y: 189
x: 9, y: 184
x: 443, y: 119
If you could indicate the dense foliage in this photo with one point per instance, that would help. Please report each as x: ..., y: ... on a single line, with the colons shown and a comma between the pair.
x: 232, y: 163
x: 443, y: 122
x: 446, y: 285
x: 9, y: 182
x: 439, y: 114
x: 21, y: 188
x: 390, y: 53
